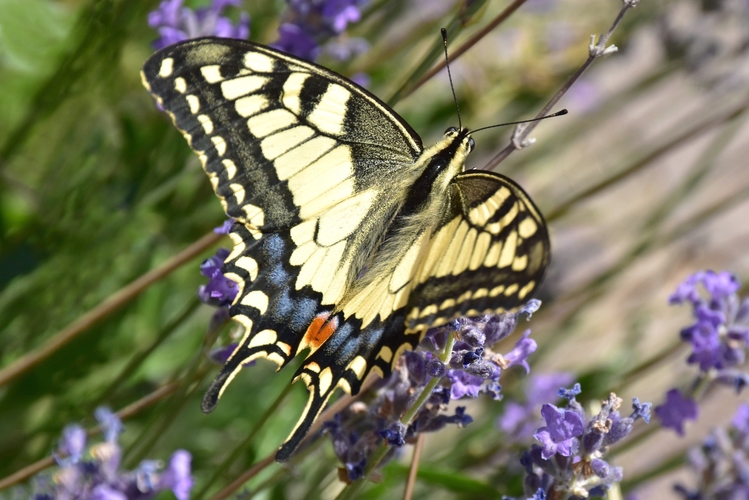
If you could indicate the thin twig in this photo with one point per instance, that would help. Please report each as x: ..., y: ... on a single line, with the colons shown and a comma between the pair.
x: 414, y: 470
x: 595, y: 50
x: 110, y: 305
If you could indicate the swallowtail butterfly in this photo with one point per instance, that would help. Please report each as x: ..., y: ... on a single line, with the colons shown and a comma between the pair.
x: 351, y: 239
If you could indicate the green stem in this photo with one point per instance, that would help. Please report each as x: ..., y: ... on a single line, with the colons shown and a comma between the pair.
x: 228, y: 461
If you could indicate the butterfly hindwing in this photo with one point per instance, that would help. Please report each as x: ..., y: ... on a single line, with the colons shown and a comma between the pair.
x: 489, y: 254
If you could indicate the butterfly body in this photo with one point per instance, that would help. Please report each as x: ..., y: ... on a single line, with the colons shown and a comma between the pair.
x: 350, y: 238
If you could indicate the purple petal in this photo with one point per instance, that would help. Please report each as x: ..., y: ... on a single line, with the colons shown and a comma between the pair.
x: 676, y: 410
x: 106, y: 492
x: 741, y: 419
x: 177, y: 475
x: 110, y: 423
x: 73, y: 442
x: 523, y: 348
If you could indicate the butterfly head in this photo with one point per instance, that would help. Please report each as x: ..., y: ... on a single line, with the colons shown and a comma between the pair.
x: 462, y: 136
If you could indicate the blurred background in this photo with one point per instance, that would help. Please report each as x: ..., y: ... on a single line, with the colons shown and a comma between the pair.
x: 645, y: 182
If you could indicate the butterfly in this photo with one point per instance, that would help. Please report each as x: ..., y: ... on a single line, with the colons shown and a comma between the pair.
x: 351, y: 239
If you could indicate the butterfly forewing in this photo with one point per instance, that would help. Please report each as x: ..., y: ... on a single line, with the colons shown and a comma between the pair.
x: 293, y: 151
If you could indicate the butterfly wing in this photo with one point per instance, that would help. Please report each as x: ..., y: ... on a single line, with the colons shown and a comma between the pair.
x: 489, y: 254
x: 305, y: 161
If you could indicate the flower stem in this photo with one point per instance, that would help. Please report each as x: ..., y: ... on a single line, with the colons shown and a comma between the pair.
x: 352, y: 489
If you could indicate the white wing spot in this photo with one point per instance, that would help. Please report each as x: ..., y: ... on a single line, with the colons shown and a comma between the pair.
x: 193, y: 102
x: 329, y: 114
x: 527, y: 228
x: 385, y: 353
x: 251, y: 105
x: 207, y: 124
x: 212, y: 74
x: 299, y: 158
x: 266, y: 123
x: 526, y: 289
x: 291, y: 90
x: 358, y: 365
x: 326, y: 378
x: 248, y: 264
x: 256, y: 299
x: 167, y: 66
x: 255, y: 214
x: 259, y: 63
x: 237, y: 87
x: 275, y: 145
x: 220, y: 144
x: 520, y: 263
x: 231, y: 169
x: 238, y: 191
x: 508, y: 251
x: 342, y: 220
x: 265, y: 337
x: 180, y: 85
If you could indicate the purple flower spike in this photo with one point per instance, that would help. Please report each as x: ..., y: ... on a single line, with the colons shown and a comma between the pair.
x: 676, y: 410
x: 176, y: 23
x: 720, y: 333
x: 177, y: 476
x: 562, y: 426
x: 293, y: 40
x: 339, y: 13
x: 219, y: 291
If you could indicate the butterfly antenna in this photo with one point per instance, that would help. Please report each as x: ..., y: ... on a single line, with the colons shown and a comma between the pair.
x: 558, y: 113
x: 450, y: 76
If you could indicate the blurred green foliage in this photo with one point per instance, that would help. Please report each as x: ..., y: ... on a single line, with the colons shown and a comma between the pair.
x: 97, y: 188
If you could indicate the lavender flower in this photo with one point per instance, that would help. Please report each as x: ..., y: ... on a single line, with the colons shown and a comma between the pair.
x: 520, y: 420
x: 721, y: 463
x: 176, y: 23
x: 94, y: 474
x: 720, y: 334
x: 570, y: 463
x: 311, y: 26
x: 676, y: 410
x: 220, y: 290
x: 562, y: 426
x: 474, y: 369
